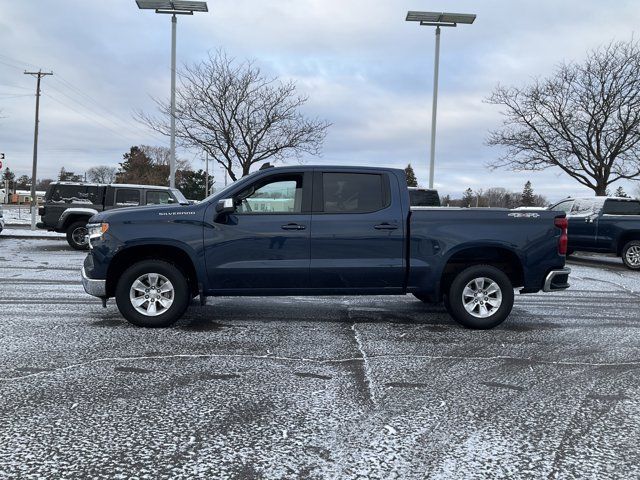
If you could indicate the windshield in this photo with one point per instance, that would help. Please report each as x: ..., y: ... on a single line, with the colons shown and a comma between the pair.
x: 180, y: 197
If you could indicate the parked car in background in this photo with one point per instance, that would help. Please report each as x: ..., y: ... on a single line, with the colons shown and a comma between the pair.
x: 322, y: 231
x: 604, y: 225
x: 423, y: 197
x: 69, y: 205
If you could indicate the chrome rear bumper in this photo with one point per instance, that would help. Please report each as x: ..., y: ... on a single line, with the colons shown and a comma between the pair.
x: 557, y: 280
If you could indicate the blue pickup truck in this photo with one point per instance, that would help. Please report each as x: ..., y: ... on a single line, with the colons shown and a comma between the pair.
x: 322, y: 231
x: 604, y: 225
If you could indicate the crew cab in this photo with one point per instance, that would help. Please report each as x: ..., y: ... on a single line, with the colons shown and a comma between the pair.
x: 68, y: 206
x: 322, y: 231
x: 604, y: 225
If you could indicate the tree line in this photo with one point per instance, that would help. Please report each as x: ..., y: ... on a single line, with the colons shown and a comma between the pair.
x: 497, y: 197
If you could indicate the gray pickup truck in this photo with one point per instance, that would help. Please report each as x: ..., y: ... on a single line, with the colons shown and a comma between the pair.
x: 68, y: 206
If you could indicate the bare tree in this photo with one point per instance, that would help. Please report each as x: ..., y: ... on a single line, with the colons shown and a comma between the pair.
x: 238, y: 115
x: 102, y: 174
x: 584, y: 119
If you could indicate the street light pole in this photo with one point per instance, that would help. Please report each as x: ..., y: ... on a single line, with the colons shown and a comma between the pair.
x: 437, y: 19
x: 173, y: 8
x: 172, y: 143
x: 434, y: 110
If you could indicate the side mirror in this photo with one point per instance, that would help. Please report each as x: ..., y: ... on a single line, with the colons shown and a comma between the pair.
x: 225, y: 205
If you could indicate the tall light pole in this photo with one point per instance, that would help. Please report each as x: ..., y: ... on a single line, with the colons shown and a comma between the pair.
x: 437, y: 19
x: 34, y: 199
x: 173, y: 8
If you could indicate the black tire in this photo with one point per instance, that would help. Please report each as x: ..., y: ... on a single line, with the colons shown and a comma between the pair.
x: 496, y: 315
x: 630, y: 255
x: 181, y: 294
x: 75, y: 232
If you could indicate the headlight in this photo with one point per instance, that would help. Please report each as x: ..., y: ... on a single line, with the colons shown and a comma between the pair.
x: 97, y: 230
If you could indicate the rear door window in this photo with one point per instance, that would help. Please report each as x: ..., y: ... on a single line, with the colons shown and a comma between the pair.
x: 354, y: 192
x: 127, y: 197
x: 621, y: 207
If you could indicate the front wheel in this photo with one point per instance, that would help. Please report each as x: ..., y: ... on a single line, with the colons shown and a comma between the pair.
x: 631, y: 255
x: 77, y: 236
x: 152, y: 293
x: 480, y: 297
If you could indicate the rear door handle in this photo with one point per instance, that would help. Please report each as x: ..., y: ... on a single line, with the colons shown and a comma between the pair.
x: 386, y: 226
x: 293, y: 226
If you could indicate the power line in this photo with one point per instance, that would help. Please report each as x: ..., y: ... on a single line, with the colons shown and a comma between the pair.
x: 117, y: 121
x: 91, y: 119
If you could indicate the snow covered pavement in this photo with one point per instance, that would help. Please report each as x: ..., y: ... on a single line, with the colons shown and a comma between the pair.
x: 371, y: 387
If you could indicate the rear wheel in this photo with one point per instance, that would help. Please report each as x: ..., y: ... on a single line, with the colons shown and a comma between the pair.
x: 631, y: 255
x: 152, y: 293
x: 77, y: 235
x: 480, y: 297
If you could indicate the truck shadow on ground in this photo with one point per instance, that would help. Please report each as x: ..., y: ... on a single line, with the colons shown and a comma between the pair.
x: 226, y: 314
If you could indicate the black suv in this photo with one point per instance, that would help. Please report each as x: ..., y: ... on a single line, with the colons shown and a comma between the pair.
x: 68, y: 206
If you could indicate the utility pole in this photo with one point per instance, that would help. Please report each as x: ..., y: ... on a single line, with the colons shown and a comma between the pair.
x: 34, y: 200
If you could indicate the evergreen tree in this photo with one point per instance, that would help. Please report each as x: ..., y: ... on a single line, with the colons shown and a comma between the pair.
x: 193, y: 184
x: 527, y: 199
x: 412, y: 181
x: 621, y: 193
x: 467, y: 198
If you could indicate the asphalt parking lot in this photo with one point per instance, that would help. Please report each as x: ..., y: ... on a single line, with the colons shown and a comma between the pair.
x: 370, y: 387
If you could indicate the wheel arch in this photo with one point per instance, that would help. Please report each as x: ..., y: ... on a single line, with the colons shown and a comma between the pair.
x: 66, y: 219
x: 497, y: 256
x: 169, y: 253
x: 625, y: 238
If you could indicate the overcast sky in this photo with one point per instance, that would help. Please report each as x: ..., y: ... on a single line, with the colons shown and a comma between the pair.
x: 365, y: 69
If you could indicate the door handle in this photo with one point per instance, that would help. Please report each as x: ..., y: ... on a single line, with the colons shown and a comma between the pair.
x: 293, y: 226
x: 386, y: 226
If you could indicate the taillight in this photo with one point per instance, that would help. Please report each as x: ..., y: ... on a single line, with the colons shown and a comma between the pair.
x: 563, y: 243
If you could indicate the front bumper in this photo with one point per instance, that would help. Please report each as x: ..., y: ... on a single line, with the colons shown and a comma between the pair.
x: 557, y: 280
x: 97, y: 288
